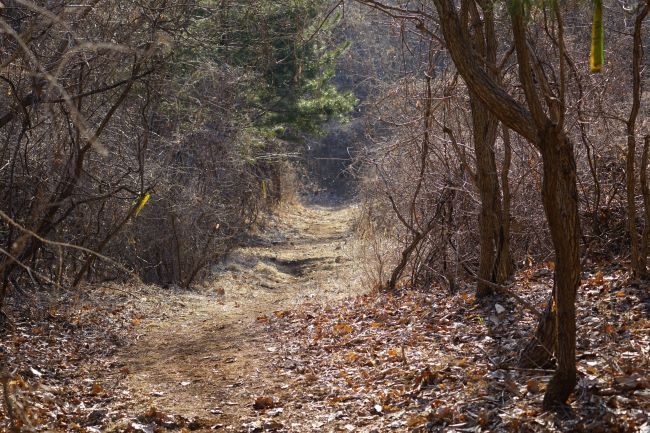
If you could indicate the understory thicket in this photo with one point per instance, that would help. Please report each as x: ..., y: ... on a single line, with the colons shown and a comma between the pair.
x: 145, y: 137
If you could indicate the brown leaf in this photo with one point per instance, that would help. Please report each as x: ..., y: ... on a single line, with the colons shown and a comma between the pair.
x: 511, y: 386
x: 443, y: 413
x: 533, y: 386
x: 417, y: 420
x: 343, y: 328
x: 262, y: 403
x: 598, y: 279
x: 483, y: 417
x: 425, y: 378
x: 97, y: 389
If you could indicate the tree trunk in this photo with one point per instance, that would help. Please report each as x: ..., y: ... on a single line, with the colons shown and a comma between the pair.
x: 492, y: 260
x: 631, y: 204
x: 539, y: 351
x: 560, y: 198
x: 646, y: 205
x: 506, y: 263
x: 490, y: 218
x: 630, y: 172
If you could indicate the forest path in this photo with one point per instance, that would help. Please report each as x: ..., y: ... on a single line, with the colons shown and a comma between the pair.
x: 207, y: 353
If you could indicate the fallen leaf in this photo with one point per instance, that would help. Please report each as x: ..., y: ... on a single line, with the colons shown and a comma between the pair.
x: 97, y: 388
x: 343, y: 328
x: 483, y: 417
x: 598, y: 278
x: 533, y: 385
x: 415, y: 421
x: 262, y: 403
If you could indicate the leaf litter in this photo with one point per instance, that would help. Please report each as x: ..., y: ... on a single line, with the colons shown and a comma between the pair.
x: 59, y: 365
x: 415, y: 360
x: 422, y: 360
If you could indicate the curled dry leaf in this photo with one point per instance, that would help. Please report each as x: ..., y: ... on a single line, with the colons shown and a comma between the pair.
x: 262, y: 403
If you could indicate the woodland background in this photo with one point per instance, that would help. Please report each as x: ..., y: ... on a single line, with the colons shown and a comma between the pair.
x: 143, y: 140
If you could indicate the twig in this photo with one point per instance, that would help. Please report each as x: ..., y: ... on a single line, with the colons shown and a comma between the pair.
x: 504, y: 290
x: 25, y: 230
x: 507, y: 290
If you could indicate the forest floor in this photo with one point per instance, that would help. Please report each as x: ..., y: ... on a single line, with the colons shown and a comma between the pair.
x: 283, y: 339
x: 201, y: 353
x: 209, y: 355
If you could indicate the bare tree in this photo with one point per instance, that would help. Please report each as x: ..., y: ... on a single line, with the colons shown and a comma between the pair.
x: 541, y: 121
x: 639, y: 261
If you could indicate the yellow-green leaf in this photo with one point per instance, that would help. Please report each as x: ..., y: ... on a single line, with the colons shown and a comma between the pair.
x: 597, y: 39
x: 264, y: 189
x: 143, y: 201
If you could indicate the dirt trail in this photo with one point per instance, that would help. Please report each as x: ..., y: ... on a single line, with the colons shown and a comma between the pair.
x: 208, y: 356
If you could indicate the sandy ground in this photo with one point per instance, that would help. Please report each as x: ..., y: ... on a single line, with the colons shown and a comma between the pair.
x: 207, y: 353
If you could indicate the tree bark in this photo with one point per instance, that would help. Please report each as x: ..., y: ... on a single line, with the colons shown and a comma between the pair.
x: 539, y: 351
x: 507, y: 109
x: 646, y: 203
x: 560, y: 198
x: 506, y: 264
x: 490, y: 217
x: 492, y: 259
x: 630, y: 184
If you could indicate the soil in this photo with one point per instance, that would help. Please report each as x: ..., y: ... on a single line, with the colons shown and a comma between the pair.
x: 206, y: 354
